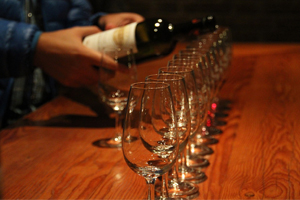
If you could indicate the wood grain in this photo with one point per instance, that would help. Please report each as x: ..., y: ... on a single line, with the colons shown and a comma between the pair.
x: 49, y: 154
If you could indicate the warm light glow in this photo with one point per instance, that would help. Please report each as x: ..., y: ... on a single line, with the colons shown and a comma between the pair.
x: 118, y: 176
x: 214, y: 106
x: 192, y: 148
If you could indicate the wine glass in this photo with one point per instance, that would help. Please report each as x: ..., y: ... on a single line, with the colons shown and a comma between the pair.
x: 210, y: 70
x: 186, y: 173
x: 219, y: 46
x: 174, y: 187
x: 223, y: 50
x: 114, y: 88
x: 217, y: 60
x: 197, y: 152
x: 150, y: 119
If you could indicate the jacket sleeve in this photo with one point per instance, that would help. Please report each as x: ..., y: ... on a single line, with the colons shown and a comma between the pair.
x: 17, y: 45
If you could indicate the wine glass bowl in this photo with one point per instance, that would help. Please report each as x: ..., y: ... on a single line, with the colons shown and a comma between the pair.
x: 181, y: 106
x: 114, y: 87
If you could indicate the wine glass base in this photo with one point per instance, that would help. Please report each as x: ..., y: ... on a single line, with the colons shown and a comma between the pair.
x: 108, y: 143
x: 191, y: 175
x: 205, y: 140
x: 195, y: 161
x: 201, y: 150
x: 181, y: 190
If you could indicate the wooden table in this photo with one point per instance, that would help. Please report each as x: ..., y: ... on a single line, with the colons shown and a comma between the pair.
x: 49, y: 154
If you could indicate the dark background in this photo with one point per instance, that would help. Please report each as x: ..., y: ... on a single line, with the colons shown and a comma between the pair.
x: 250, y: 20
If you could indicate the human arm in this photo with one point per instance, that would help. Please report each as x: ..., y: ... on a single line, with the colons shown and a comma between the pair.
x: 16, y: 53
x: 20, y: 43
x: 62, y: 55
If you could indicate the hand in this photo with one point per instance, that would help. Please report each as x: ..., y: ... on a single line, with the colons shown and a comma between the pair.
x: 62, y: 55
x: 110, y: 21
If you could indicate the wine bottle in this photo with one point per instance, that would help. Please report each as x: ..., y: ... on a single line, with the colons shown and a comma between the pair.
x: 152, y: 37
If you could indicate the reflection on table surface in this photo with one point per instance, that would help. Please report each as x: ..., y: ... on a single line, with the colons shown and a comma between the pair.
x: 50, y: 153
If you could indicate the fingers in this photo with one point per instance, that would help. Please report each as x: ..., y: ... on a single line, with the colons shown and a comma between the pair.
x: 108, y: 63
x: 111, y: 64
x: 126, y: 21
x: 114, y: 20
x: 128, y: 18
x: 94, y: 58
x: 109, y: 26
x: 136, y: 17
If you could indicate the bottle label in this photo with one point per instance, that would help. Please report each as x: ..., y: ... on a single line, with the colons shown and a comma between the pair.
x: 118, y: 37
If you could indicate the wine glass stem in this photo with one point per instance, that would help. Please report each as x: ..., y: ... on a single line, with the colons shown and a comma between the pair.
x: 164, y: 188
x: 183, y: 163
x: 174, y: 175
x: 118, y: 126
x: 151, y: 188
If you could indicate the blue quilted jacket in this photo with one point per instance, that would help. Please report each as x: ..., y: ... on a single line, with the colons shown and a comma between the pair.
x: 18, y: 39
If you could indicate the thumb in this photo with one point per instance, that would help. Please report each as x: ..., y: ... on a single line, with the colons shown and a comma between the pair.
x: 88, y: 30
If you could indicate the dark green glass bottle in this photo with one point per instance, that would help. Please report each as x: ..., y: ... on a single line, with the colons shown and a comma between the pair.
x: 156, y: 37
